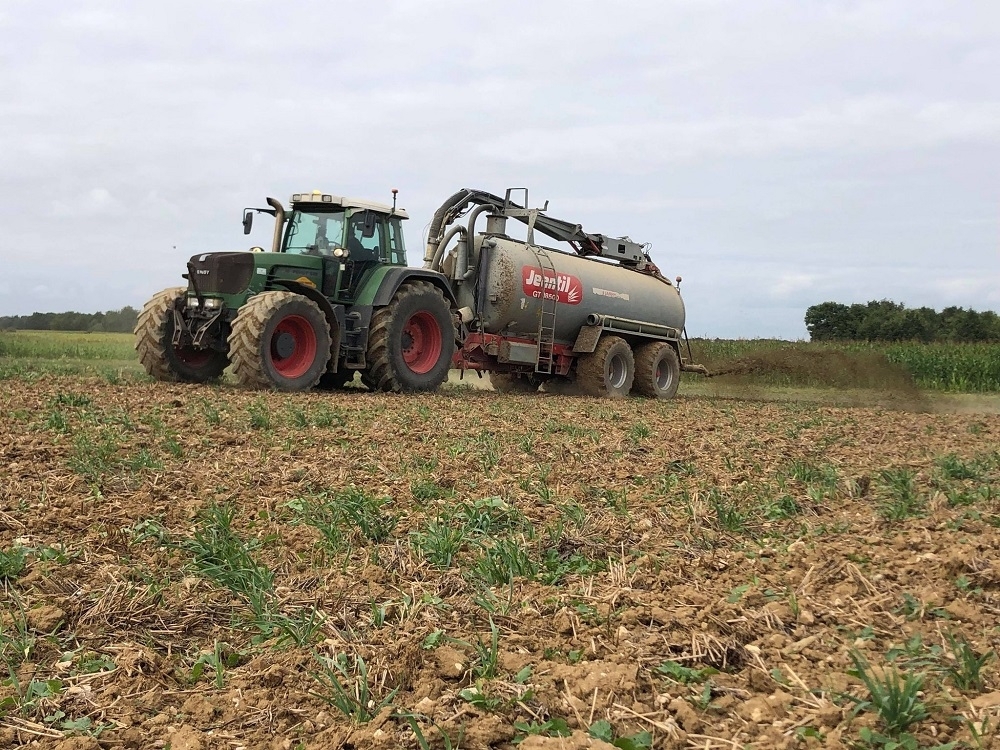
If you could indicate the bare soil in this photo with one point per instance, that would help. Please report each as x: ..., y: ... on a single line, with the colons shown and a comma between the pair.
x: 721, y: 565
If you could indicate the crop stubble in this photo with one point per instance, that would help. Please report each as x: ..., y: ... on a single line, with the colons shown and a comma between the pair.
x: 757, y: 545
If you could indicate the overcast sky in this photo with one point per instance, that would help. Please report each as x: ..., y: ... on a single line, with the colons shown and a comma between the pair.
x: 776, y: 154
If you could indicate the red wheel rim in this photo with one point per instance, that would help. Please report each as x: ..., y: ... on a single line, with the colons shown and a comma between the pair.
x: 193, y: 357
x: 422, y: 342
x: 296, y: 332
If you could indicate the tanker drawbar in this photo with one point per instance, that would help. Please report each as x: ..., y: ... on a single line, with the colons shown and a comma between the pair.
x: 600, y: 314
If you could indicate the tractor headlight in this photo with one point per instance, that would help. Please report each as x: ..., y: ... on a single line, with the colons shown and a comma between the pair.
x: 213, y: 303
x: 339, y: 252
x: 192, y: 302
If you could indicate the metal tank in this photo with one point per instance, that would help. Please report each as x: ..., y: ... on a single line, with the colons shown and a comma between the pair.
x: 514, y: 278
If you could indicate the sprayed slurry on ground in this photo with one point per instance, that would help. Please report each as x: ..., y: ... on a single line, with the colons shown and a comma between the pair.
x: 209, y: 567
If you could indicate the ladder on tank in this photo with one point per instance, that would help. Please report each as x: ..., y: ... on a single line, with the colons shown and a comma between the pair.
x: 545, y: 361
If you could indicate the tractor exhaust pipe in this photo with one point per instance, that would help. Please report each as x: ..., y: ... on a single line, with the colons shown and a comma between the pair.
x: 279, y: 223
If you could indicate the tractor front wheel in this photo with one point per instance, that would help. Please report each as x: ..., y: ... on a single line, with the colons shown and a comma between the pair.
x: 657, y: 370
x: 609, y: 370
x: 412, y: 341
x: 280, y: 340
x: 154, y: 333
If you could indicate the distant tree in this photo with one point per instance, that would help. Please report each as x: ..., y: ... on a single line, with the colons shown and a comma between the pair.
x: 117, y: 321
x: 831, y: 321
x: 885, y: 320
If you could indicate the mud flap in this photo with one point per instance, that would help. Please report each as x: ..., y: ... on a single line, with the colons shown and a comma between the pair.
x: 586, y: 339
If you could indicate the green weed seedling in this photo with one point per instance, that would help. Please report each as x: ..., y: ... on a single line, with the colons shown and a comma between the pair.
x: 728, y: 514
x: 553, y: 727
x: 94, y: 456
x: 83, y: 725
x: 965, y: 670
x: 685, y: 675
x: 782, y: 508
x: 12, y: 563
x: 367, y: 513
x: 556, y: 566
x: 439, y: 542
x: 226, y: 558
x: 16, y: 639
x: 424, y: 491
x: 323, y: 416
x: 488, y: 515
x: 259, y: 415
x: 893, y: 697
x: 475, y: 696
x: 603, y: 730
x: 432, y: 640
x: 503, y: 561
x: 210, y: 412
x: 915, y: 654
x: 25, y: 697
x: 486, y: 663
x: 413, y: 720
x: 221, y: 657
x: 343, y: 684
x: 952, y: 467
x: 302, y: 628
x: 903, y: 501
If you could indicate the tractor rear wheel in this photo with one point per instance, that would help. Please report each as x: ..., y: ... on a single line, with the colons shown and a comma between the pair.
x: 280, y: 340
x: 657, y: 370
x: 412, y: 341
x: 505, y: 382
x: 154, y: 333
x: 609, y: 370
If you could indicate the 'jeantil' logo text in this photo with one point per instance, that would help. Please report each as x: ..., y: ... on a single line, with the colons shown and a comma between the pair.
x: 540, y: 284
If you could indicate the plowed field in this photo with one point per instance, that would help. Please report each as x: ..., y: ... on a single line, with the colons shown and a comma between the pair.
x: 205, y: 567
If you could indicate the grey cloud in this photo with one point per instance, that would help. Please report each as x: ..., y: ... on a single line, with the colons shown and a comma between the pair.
x: 776, y: 154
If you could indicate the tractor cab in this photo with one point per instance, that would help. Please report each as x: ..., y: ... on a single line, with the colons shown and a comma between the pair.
x: 352, y: 236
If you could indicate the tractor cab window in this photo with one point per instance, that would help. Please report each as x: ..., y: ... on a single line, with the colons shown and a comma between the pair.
x: 314, y: 232
x: 364, y: 237
x: 397, y: 251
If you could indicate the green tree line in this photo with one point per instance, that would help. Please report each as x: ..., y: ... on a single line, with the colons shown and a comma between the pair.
x: 112, y: 321
x: 883, y: 320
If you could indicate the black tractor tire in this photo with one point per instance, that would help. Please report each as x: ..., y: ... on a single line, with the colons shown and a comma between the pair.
x: 608, y: 371
x: 280, y: 340
x: 657, y: 370
x: 411, y: 341
x: 154, y: 332
x: 505, y: 382
x: 335, y: 381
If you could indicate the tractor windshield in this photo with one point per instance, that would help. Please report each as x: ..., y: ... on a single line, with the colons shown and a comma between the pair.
x: 314, y: 232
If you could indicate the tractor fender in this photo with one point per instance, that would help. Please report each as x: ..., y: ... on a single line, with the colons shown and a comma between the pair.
x: 396, y: 277
x: 334, y: 315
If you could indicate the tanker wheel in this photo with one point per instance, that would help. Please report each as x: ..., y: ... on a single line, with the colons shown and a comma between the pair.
x: 608, y: 371
x: 506, y: 382
x: 154, y: 332
x: 335, y: 381
x: 280, y: 340
x: 657, y: 370
x: 411, y: 342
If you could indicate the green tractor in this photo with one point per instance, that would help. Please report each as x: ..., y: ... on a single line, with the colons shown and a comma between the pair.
x: 333, y: 297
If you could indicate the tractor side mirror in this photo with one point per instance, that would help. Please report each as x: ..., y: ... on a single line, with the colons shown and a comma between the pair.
x: 247, y: 221
x: 369, y: 230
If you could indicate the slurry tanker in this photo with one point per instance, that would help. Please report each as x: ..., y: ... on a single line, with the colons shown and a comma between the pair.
x: 333, y: 297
